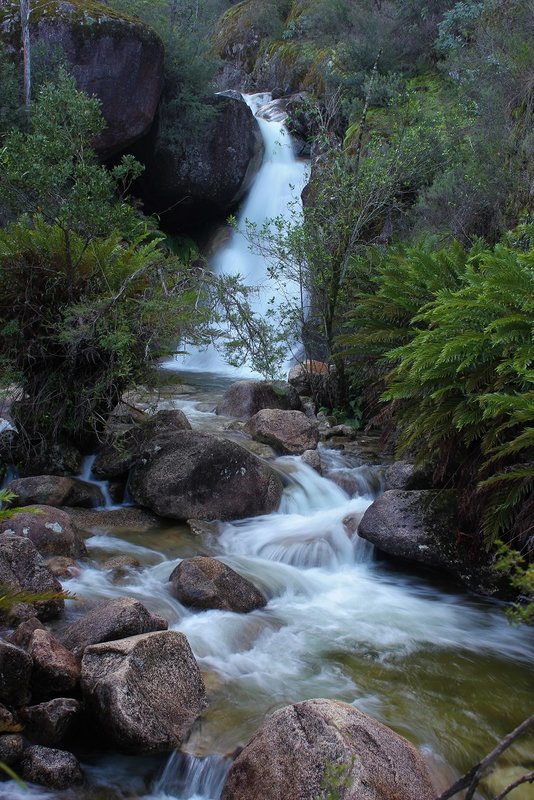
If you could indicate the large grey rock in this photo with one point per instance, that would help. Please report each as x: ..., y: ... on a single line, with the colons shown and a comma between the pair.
x: 50, y: 529
x: 297, y: 747
x: 290, y: 432
x: 55, y: 769
x: 403, y: 475
x: 246, y: 398
x: 107, y: 621
x: 50, y: 723
x: 55, y: 670
x: 15, y: 673
x: 55, y: 490
x: 118, y: 59
x: 117, y: 456
x: 416, y: 525
x: 204, y: 582
x: 210, y: 173
x: 24, y: 570
x: 145, y: 692
x: 200, y: 476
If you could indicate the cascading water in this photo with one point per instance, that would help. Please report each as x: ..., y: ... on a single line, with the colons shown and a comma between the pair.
x: 431, y: 661
x: 276, y: 192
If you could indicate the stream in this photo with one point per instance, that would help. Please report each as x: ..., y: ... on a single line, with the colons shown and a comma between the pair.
x: 440, y: 666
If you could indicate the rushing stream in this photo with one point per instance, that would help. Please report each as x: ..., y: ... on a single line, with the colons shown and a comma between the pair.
x: 440, y: 666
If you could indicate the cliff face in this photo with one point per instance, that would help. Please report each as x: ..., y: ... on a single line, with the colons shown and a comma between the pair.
x: 117, y: 58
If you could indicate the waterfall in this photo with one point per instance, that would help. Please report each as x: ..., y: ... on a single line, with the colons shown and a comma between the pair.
x: 275, y: 193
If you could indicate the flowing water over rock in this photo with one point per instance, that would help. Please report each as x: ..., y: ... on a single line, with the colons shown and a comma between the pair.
x: 275, y: 192
x: 438, y: 665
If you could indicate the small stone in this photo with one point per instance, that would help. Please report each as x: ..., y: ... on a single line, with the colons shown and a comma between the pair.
x: 49, y: 723
x: 204, y: 582
x: 55, y: 769
x: 11, y: 747
x: 55, y: 670
x: 15, y: 674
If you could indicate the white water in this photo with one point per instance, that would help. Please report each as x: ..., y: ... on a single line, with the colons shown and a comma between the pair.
x: 276, y: 192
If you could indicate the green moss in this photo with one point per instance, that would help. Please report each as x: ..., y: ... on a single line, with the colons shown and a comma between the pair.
x: 85, y: 14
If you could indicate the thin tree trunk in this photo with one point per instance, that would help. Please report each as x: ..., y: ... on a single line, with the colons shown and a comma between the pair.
x: 26, y: 49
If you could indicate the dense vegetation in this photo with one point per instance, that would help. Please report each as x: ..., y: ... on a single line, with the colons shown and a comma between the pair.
x: 415, y: 251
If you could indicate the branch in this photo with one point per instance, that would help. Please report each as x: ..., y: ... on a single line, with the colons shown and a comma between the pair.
x: 470, y: 779
x: 527, y: 778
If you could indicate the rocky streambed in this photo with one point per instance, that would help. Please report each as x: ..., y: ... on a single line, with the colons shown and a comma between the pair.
x: 277, y: 629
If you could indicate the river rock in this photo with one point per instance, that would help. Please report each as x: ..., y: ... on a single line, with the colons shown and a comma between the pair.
x: 50, y: 529
x: 201, y: 476
x: 55, y: 490
x: 416, y: 525
x: 15, y: 674
x: 246, y: 398
x: 24, y: 570
x: 11, y: 748
x: 293, y: 751
x: 118, y: 59
x: 55, y: 769
x: 145, y: 692
x: 209, y: 174
x: 313, y: 459
x: 204, y: 582
x: 22, y: 635
x: 403, y: 475
x: 107, y: 621
x: 116, y: 457
x: 63, y: 567
x: 288, y: 432
x: 310, y: 376
x: 50, y: 723
x: 55, y: 669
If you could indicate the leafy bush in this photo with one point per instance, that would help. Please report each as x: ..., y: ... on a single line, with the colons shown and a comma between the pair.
x: 455, y: 330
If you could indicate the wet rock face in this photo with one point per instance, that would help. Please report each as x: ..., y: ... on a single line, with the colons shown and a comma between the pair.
x: 55, y: 769
x: 49, y: 723
x: 116, y: 457
x: 200, y: 476
x: 246, y: 398
x: 50, y: 529
x: 22, y: 568
x: 117, y: 59
x: 145, y: 692
x: 300, y: 746
x: 55, y: 669
x: 290, y: 432
x: 411, y: 524
x: 204, y: 582
x: 53, y: 490
x: 15, y: 674
x: 210, y: 175
x: 107, y: 621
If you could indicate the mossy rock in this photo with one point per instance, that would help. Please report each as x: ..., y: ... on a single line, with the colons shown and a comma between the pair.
x: 117, y: 58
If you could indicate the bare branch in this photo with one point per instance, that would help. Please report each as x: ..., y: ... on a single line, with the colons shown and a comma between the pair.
x: 471, y: 779
x: 527, y: 778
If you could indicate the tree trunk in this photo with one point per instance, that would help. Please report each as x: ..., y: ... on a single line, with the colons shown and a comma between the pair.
x: 25, y: 28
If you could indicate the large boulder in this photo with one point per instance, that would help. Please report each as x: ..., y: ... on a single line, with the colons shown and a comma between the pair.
x: 416, y: 525
x: 246, y: 398
x: 23, y: 570
x: 55, y: 490
x: 118, y: 59
x: 50, y: 529
x: 193, y: 475
x: 107, y: 621
x: 301, y: 747
x: 204, y: 582
x: 290, y: 432
x: 208, y: 175
x: 144, y: 692
x: 55, y: 671
x: 15, y: 673
x: 55, y: 769
x: 117, y: 456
